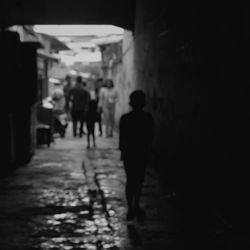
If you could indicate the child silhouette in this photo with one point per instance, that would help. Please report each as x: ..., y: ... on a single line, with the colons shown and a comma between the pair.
x: 135, y: 136
x: 91, y: 118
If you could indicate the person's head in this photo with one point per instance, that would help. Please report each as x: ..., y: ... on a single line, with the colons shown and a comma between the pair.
x: 137, y: 99
x: 110, y: 83
x: 78, y: 79
x: 67, y: 78
x: 104, y: 84
x: 67, y: 82
x: 98, y: 82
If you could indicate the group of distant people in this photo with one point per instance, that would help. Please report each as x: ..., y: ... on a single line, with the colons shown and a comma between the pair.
x: 136, y: 130
x: 86, y: 107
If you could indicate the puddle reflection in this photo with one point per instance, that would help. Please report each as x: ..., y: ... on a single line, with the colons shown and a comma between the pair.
x: 78, y: 218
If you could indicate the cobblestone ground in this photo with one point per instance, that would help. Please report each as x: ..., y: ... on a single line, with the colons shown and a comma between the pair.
x: 69, y: 197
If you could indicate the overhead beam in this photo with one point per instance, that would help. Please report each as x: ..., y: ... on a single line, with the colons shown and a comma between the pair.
x: 30, y: 12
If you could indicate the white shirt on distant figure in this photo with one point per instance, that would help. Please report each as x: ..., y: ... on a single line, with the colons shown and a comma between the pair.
x: 58, y: 99
x: 112, y: 97
x: 92, y: 94
x: 102, y: 97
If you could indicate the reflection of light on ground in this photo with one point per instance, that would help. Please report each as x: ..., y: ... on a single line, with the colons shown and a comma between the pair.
x: 67, y: 215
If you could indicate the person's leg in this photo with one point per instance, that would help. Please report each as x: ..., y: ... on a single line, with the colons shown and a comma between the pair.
x: 129, y: 191
x: 129, y: 198
x: 105, y: 120
x: 112, y: 121
x: 109, y: 123
x: 81, y: 120
x: 92, y: 132
x: 137, y: 196
x: 100, y: 123
x: 84, y: 122
x: 74, y: 122
x: 88, y: 135
x: 88, y: 140
x: 138, y: 190
x: 93, y: 137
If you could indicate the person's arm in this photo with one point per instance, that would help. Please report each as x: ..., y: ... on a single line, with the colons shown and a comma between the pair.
x: 70, y: 97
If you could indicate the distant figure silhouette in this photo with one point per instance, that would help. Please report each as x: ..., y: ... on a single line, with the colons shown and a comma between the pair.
x: 102, y: 99
x: 111, y: 98
x: 79, y: 98
x: 99, y: 85
x: 66, y: 89
x: 91, y: 118
x: 136, y: 131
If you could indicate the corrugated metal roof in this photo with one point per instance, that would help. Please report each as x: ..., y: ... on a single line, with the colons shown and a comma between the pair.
x: 107, y: 39
x: 55, y: 44
x: 45, y: 55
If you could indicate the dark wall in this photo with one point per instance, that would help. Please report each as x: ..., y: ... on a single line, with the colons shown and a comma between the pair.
x: 185, y: 59
x: 19, y: 94
x: 28, y: 12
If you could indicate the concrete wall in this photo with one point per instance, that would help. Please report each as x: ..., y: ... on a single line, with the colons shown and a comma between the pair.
x: 183, y: 60
x: 127, y: 77
x: 118, y: 62
x: 19, y: 63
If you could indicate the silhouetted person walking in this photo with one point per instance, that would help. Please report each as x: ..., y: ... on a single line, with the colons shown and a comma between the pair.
x: 91, y: 118
x: 99, y: 85
x: 135, y: 136
x: 79, y: 98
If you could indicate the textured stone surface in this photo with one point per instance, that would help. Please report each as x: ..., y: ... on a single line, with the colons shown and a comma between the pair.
x: 69, y: 197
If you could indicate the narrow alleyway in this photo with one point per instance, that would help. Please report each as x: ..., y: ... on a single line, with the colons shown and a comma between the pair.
x: 69, y: 197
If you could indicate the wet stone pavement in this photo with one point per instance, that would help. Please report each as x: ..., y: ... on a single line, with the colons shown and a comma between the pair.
x: 71, y: 197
